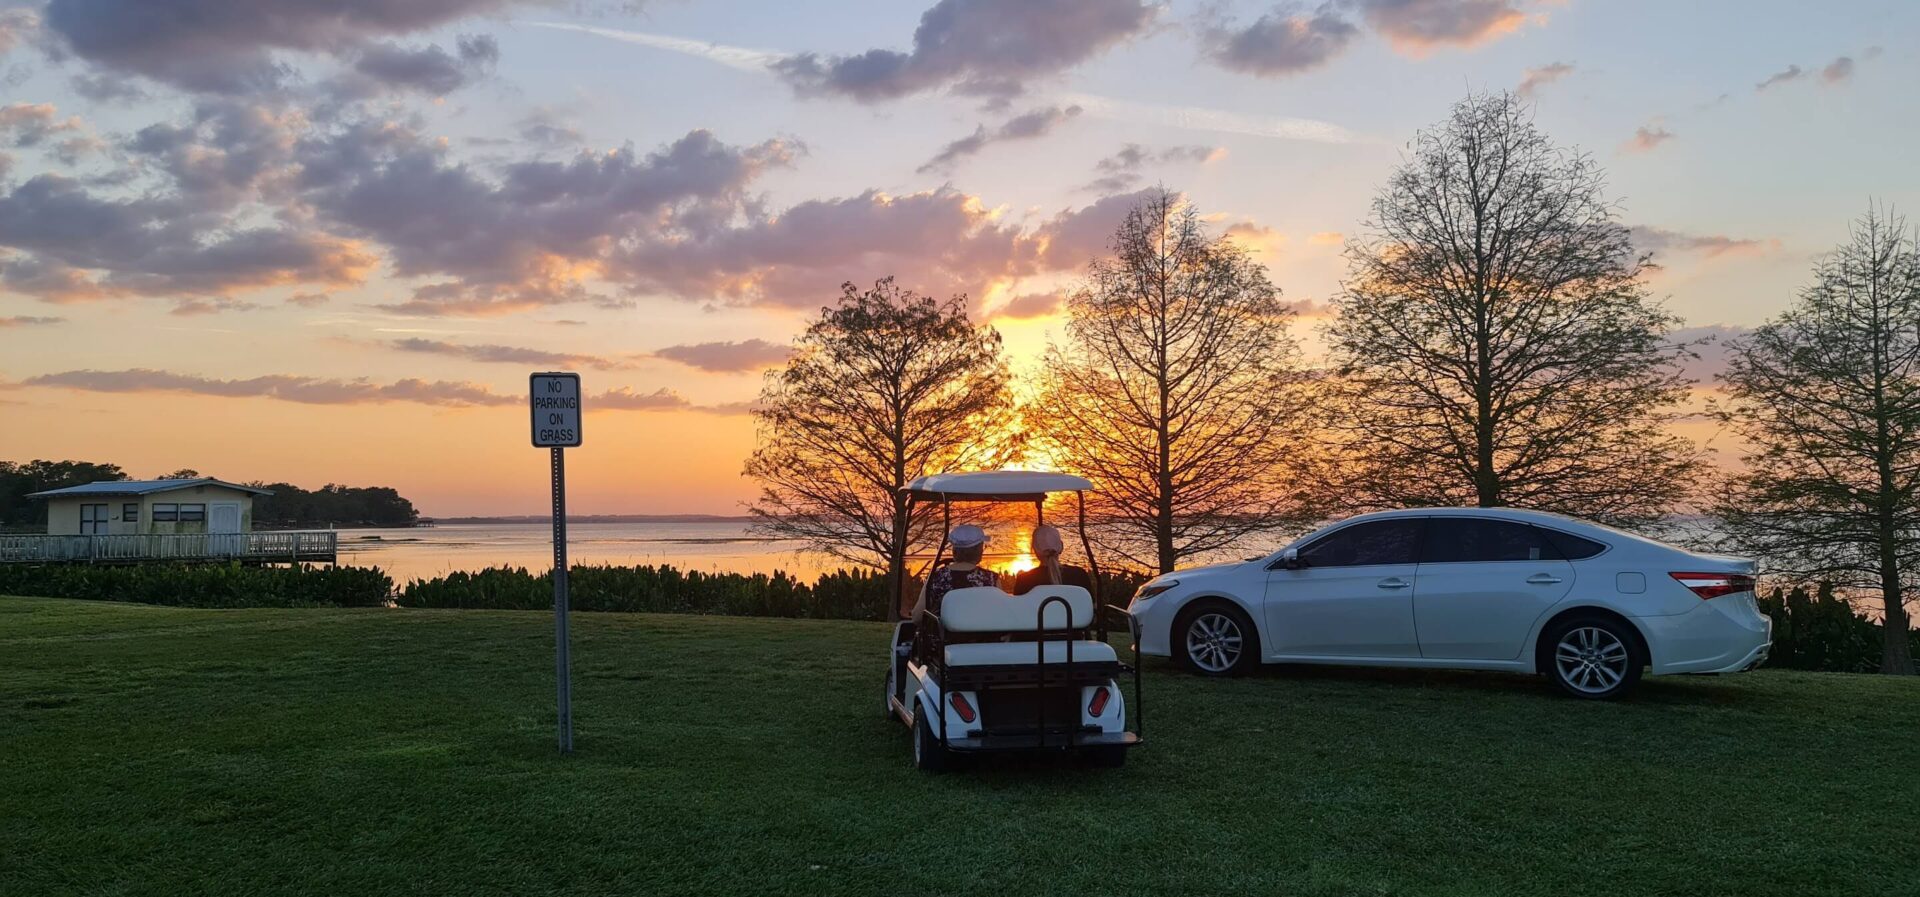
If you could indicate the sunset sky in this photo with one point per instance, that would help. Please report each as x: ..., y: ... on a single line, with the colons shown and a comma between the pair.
x: 327, y: 241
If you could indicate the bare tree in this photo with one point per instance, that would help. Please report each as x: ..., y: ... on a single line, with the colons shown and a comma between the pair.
x: 1177, y: 392
x: 884, y: 387
x: 1828, y: 394
x: 1496, y: 343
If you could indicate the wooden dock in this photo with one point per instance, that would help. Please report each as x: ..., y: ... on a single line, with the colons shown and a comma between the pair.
x: 283, y: 547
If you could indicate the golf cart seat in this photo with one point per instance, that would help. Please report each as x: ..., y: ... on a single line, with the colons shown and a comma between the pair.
x: 993, y: 654
x: 989, y: 610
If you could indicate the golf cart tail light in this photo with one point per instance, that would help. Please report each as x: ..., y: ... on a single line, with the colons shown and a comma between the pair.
x: 960, y: 706
x: 1098, y: 705
x: 1713, y: 585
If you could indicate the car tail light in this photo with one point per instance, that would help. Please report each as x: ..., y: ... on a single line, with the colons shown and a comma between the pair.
x: 1098, y: 705
x: 1713, y: 585
x: 960, y: 706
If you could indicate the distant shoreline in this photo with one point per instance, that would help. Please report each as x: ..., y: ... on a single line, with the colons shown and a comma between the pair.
x: 597, y: 518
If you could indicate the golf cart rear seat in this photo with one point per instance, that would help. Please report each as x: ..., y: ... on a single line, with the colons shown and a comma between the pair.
x: 989, y: 610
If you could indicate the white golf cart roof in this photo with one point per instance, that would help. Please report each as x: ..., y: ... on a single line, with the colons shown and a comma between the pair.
x: 996, y: 485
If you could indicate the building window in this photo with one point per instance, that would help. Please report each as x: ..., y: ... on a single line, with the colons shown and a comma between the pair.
x: 193, y: 513
x: 166, y: 513
x: 93, y: 520
x: 130, y: 512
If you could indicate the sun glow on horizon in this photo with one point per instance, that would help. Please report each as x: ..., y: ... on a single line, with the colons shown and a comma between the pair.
x: 1019, y: 564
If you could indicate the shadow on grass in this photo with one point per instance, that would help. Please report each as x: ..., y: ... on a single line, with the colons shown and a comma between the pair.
x: 1652, y: 689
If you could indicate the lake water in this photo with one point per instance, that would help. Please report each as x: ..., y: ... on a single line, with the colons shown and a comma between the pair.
x: 714, y: 547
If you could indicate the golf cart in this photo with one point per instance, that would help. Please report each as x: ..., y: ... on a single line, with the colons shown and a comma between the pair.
x: 997, y: 672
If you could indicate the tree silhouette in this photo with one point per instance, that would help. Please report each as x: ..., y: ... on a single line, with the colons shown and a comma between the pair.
x: 1828, y: 394
x: 1496, y: 344
x: 17, y: 481
x: 886, y: 386
x: 1177, y: 393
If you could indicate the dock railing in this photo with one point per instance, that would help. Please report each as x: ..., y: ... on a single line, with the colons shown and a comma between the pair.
x: 281, y: 547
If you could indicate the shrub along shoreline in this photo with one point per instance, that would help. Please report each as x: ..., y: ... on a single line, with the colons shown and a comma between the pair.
x: 839, y: 595
x: 1815, y: 630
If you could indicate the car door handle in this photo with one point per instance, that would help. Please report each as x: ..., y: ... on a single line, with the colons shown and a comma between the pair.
x: 1394, y: 583
x: 1543, y: 579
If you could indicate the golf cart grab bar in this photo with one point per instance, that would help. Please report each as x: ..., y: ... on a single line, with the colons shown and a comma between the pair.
x: 1040, y: 659
x: 1139, y: 702
x: 935, y: 637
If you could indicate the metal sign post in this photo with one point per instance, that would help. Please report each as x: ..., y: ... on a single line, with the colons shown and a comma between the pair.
x: 555, y: 403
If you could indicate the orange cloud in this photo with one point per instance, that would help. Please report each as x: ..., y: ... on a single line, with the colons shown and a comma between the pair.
x: 1418, y: 27
x: 1646, y: 138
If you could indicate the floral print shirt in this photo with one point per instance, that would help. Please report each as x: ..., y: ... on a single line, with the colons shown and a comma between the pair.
x: 946, y: 579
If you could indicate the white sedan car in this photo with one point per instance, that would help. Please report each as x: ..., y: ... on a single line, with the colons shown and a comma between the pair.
x: 1465, y: 588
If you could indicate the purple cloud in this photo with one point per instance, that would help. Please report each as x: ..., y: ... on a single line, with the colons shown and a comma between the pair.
x: 1282, y: 42
x: 331, y: 391
x: 1121, y: 171
x: 1417, y: 26
x: 1659, y: 239
x: 17, y: 26
x: 305, y: 390
x: 536, y: 233
x: 1076, y: 236
x: 1790, y: 73
x: 729, y: 357
x: 1031, y: 305
x: 497, y: 354
x: 1541, y: 76
x: 152, y: 246
x: 1027, y: 126
x: 985, y: 48
x: 428, y: 70
x: 1647, y: 137
x: 219, y: 46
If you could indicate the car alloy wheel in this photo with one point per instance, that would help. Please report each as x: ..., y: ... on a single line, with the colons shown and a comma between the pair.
x: 1214, y: 642
x: 1592, y: 660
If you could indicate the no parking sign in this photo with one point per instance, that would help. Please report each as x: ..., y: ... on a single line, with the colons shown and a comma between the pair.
x: 555, y: 401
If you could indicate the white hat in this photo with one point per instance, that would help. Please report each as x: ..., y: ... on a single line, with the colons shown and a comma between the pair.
x: 966, y: 535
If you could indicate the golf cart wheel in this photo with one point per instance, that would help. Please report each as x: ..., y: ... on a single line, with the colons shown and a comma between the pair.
x: 928, y: 754
x: 886, y: 699
x: 1104, y: 757
x: 1592, y: 657
x: 1215, y: 638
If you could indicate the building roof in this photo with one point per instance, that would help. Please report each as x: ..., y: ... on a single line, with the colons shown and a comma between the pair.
x: 142, y: 487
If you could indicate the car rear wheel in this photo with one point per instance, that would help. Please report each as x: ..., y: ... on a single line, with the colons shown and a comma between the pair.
x: 928, y: 754
x: 1216, y: 639
x: 1592, y: 657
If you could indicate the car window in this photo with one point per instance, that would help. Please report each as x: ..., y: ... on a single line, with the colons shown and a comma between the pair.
x: 1572, y: 547
x: 1466, y: 539
x: 1363, y: 544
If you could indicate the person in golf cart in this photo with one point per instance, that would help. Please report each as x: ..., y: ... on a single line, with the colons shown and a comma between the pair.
x: 1046, y: 546
x: 969, y: 545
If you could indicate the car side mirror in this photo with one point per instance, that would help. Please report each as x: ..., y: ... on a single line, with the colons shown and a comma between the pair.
x: 1290, y: 559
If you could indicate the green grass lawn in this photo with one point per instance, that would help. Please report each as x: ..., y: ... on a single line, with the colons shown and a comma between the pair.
x: 148, y: 750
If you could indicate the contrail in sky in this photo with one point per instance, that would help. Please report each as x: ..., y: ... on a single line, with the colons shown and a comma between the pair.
x: 741, y: 58
x: 1191, y: 118
x: 1199, y: 118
